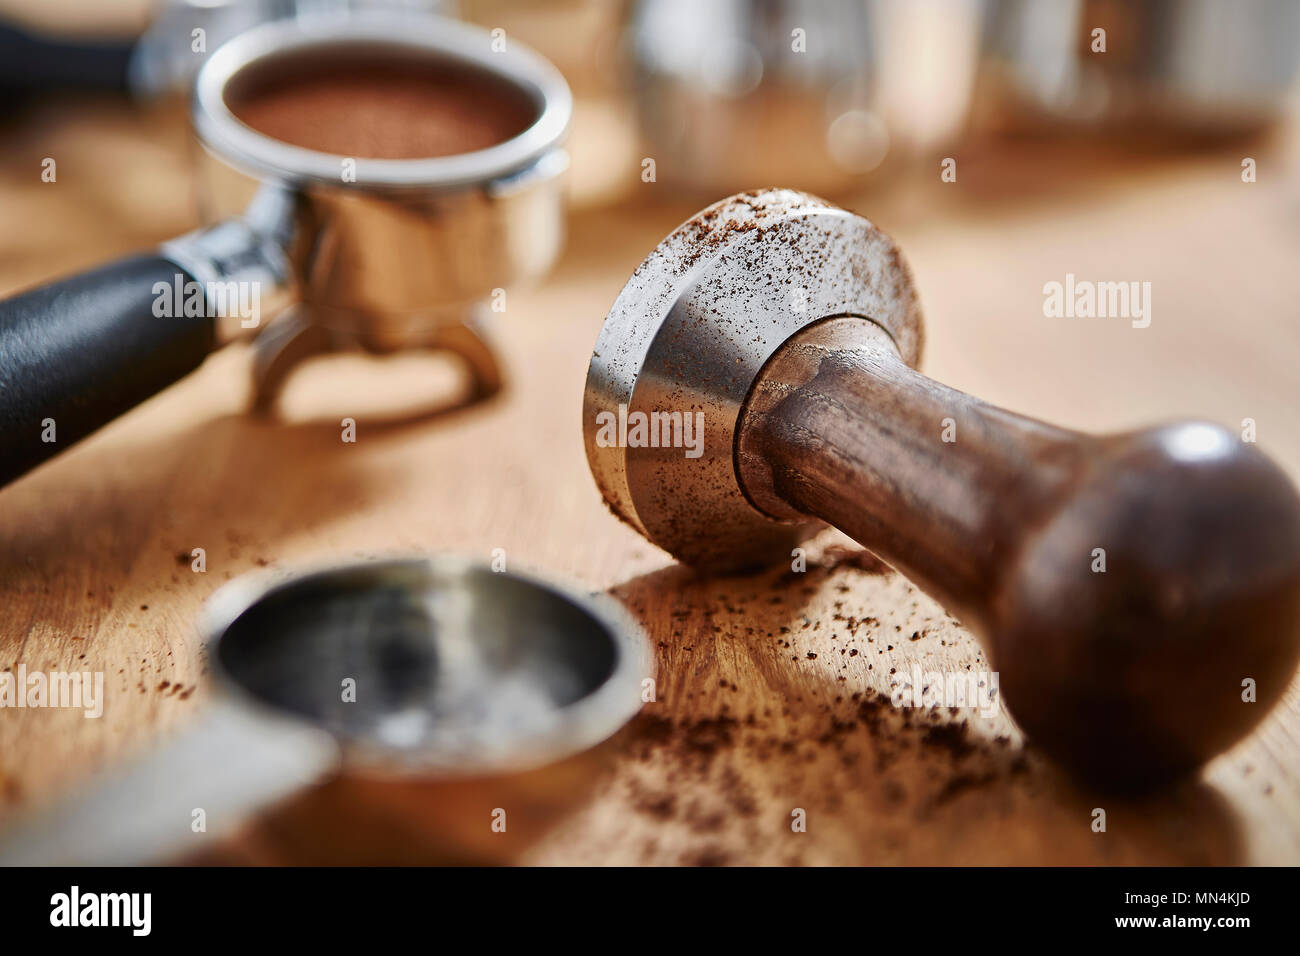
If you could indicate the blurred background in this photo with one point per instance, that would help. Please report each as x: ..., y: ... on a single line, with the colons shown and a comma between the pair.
x: 1004, y: 144
x: 1096, y: 137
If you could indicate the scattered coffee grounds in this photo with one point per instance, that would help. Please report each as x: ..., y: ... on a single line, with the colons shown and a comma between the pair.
x: 713, y: 769
x: 369, y: 104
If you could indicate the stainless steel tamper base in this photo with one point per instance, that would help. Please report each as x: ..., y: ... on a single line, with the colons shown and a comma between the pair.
x: 690, y: 333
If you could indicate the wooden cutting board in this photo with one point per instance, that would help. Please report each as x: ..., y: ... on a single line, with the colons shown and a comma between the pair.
x: 767, y: 685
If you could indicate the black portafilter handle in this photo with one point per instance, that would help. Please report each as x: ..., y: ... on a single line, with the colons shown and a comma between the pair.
x: 77, y: 353
x: 33, y: 63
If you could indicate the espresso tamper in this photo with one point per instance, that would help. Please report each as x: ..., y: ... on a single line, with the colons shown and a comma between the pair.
x: 376, y: 255
x: 1126, y: 586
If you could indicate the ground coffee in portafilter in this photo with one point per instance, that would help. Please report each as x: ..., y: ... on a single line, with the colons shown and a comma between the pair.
x: 379, y: 104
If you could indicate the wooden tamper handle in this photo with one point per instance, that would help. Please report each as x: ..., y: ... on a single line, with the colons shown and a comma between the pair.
x: 1139, y: 594
x: 1127, y: 585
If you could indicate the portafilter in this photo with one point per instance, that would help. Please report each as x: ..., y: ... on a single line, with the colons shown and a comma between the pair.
x: 377, y: 254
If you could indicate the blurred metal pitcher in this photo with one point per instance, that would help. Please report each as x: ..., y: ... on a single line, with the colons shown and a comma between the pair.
x: 1203, y: 66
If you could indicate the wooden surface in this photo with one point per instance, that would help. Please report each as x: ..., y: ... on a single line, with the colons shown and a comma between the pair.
x: 764, y: 706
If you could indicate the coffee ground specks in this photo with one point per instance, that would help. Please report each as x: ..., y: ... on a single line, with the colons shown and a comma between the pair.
x: 773, y: 694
